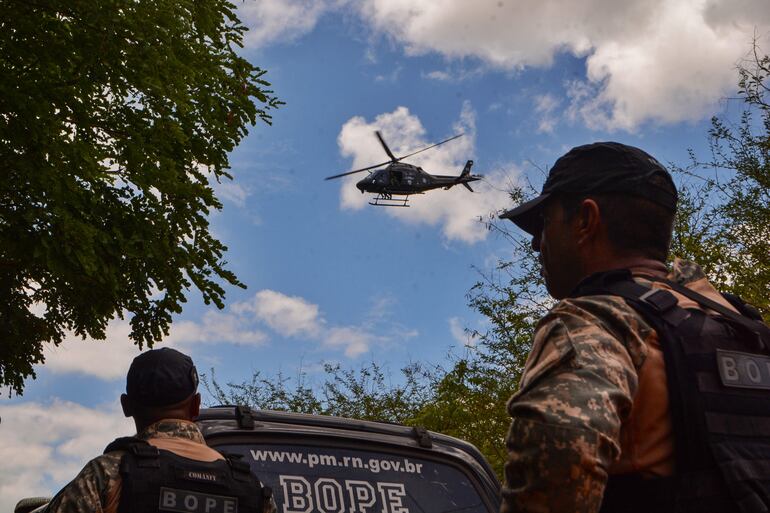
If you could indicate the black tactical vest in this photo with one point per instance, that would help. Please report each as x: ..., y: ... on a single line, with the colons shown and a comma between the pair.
x: 718, y: 377
x: 156, y: 480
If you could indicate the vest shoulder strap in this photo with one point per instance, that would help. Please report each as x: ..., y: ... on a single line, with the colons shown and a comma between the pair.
x: 145, y: 454
x: 123, y: 443
x: 659, y: 303
x: 742, y: 306
x: 748, y: 321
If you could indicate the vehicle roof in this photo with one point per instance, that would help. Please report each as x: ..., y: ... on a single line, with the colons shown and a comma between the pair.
x: 220, y: 423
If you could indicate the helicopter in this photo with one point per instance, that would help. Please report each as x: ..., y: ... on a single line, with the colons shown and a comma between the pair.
x: 395, y: 183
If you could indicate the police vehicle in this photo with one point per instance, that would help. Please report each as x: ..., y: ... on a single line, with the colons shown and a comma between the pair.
x: 320, y: 464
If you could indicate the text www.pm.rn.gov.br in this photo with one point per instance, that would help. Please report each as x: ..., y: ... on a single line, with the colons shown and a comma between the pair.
x: 374, y: 465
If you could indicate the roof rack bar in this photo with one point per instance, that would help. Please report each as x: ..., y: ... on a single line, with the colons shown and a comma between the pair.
x: 244, y: 417
x: 422, y: 436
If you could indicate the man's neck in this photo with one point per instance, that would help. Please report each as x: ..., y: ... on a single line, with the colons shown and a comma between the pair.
x: 635, y: 264
x: 143, y: 425
x: 648, y: 266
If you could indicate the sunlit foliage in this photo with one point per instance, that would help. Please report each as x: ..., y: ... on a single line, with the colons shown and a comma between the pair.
x: 115, y: 116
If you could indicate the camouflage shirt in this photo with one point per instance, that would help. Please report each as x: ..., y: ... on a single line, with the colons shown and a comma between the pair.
x: 96, y: 488
x: 576, y: 394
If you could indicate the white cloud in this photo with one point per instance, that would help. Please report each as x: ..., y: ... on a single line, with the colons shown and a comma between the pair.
x: 545, y: 105
x: 105, y: 359
x: 370, y: 55
x: 665, y: 61
x: 752, y: 13
x: 287, y: 315
x: 44, y: 445
x: 455, y: 73
x: 243, y: 324
x: 456, y: 210
x: 459, y: 334
x: 225, y: 188
x: 443, y: 76
x: 216, y: 327
x: 646, y: 60
x: 270, y: 21
x: 354, y: 340
x: 109, y: 359
x: 390, y: 77
x: 293, y: 316
x: 232, y: 192
x: 678, y: 69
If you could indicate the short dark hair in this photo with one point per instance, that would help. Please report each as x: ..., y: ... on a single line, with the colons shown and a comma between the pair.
x: 634, y: 224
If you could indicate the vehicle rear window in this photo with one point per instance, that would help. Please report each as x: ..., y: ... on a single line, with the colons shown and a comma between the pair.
x: 335, y: 480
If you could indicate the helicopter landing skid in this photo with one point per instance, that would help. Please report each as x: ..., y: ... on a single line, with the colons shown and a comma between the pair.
x: 385, y: 199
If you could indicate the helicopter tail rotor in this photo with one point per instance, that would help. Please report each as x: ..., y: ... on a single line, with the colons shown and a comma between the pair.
x: 467, y: 169
x: 466, y: 176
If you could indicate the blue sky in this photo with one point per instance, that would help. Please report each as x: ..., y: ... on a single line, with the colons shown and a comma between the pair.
x: 331, y: 279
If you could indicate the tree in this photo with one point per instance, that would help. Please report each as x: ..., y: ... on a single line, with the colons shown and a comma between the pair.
x: 469, y: 399
x: 115, y: 117
x: 365, y: 394
x: 724, y: 222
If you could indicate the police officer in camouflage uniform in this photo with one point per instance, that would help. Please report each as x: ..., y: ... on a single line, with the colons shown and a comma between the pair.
x: 167, y: 465
x: 645, y: 389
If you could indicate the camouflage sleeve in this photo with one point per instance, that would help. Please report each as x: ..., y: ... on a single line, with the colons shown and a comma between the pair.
x: 576, y: 389
x: 88, y: 492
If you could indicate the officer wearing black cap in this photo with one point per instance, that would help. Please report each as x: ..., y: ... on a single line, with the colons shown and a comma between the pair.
x: 646, y: 390
x: 166, y: 466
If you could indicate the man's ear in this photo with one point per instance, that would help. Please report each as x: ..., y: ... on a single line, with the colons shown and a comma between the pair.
x: 589, y: 220
x: 195, y: 406
x: 128, y: 407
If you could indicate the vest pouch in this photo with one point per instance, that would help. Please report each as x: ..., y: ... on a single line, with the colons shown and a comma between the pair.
x: 745, y: 467
x: 659, y: 494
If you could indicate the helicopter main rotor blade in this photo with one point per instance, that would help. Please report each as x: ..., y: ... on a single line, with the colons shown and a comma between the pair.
x: 355, y: 171
x: 431, y: 146
x: 385, y: 147
x: 390, y: 154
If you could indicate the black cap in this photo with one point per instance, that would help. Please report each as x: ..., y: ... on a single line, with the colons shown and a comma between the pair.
x: 599, y: 168
x: 161, y: 377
